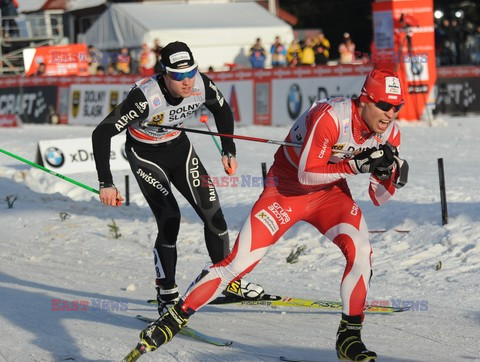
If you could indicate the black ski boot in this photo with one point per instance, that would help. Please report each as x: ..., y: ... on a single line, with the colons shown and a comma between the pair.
x: 166, y: 298
x: 349, y: 341
x: 164, y: 328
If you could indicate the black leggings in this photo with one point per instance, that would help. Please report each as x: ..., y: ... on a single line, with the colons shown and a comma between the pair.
x: 155, y: 167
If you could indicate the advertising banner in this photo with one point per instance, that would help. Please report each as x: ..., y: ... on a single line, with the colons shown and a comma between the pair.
x: 31, y: 104
x: 67, y: 156
x: 291, y: 97
x: 411, y: 51
x: 60, y: 60
x: 457, y: 95
x: 239, y: 95
x: 10, y: 120
x: 89, y: 104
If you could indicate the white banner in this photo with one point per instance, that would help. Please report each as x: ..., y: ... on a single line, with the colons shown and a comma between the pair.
x: 89, y: 104
x: 76, y: 155
x: 292, y: 96
x: 239, y: 95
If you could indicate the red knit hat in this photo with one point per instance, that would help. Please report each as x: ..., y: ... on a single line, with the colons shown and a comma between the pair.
x: 382, y: 85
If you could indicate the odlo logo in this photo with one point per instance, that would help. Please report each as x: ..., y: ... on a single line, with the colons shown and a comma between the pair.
x: 194, y: 173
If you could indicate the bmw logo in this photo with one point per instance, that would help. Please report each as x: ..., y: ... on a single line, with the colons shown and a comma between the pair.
x: 294, y: 101
x: 54, y: 157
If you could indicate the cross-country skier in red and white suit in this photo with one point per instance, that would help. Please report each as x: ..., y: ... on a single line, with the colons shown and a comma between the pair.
x: 340, y: 138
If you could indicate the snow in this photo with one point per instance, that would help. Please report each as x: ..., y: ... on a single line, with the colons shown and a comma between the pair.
x: 44, y: 258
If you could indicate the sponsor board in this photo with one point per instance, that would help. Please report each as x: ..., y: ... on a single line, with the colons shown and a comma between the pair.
x: 10, y: 120
x: 90, y: 104
x: 457, y: 95
x: 75, y: 155
x: 31, y: 104
x: 292, y: 97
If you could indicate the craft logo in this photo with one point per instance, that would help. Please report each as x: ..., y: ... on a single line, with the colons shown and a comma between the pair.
x: 114, y: 95
x: 294, y: 101
x: 75, y: 102
x: 54, y: 157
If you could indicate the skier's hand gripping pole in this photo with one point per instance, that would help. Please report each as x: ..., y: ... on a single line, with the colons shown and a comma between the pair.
x: 228, y: 160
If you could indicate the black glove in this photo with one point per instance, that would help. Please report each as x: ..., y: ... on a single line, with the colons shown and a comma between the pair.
x: 367, y: 161
x: 385, y: 168
x: 402, y: 173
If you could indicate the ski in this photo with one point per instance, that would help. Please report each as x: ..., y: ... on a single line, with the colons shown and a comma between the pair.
x: 192, y: 333
x: 270, y: 300
x: 135, y: 353
x: 378, y: 231
x: 286, y: 359
x: 281, y: 301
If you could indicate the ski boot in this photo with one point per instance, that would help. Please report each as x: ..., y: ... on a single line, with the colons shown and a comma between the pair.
x: 163, y: 329
x: 166, y: 298
x: 349, y: 344
x: 241, y: 289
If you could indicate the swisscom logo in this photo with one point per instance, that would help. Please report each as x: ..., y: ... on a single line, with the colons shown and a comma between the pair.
x: 294, y: 101
x: 54, y: 157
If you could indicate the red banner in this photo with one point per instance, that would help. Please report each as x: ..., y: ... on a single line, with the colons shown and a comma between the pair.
x: 404, y: 42
x: 59, y: 60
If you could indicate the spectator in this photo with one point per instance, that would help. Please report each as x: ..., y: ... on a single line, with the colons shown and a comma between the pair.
x: 308, y: 54
x: 439, y: 40
x: 100, y: 70
x: 41, y: 71
x: 279, y: 53
x: 456, y: 36
x: 294, y: 53
x: 156, y: 49
x: 123, y: 61
x: 8, y: 9
x: 320, y: 58
x: 146, y: 61
x: 94, y: 58
x: 111, y: 70
x: 324, y: 42
x: 257, y: 54
x: 476, y: 46
x: 346, y: 49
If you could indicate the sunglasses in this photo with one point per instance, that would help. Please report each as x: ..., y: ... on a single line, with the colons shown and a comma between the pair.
x: 179, y: 76
x: 385, y: 106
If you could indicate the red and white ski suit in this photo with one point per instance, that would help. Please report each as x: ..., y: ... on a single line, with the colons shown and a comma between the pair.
x: 310, y: 185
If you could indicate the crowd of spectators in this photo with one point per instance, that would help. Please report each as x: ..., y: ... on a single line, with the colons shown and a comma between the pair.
x: 457, y: 42
x: 455, y: 45
x: 310, y: 51
x: 146, y: 63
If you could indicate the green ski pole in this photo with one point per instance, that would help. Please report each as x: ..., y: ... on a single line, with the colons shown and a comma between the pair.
x: 63, y: 177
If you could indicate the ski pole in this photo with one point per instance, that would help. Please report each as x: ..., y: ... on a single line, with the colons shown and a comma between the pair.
x: 63, y: 177
x: 245, y: 138
x: 204, y: 120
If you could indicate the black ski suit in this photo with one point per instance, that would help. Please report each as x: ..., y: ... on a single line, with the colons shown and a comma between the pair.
x: 159, y: 157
